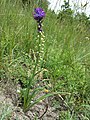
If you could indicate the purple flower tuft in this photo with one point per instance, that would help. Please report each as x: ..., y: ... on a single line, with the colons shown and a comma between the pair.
x: 38, y: 14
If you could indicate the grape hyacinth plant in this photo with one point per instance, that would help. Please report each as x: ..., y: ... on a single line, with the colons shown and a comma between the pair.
x: 38, y: 15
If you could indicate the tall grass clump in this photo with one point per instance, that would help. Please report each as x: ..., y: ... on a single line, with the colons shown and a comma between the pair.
x: 66, y: 65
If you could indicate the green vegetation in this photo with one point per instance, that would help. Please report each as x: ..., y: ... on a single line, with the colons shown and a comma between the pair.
x: 66, y: 70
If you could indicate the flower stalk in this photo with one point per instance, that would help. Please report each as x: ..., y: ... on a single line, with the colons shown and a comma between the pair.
x: 38, y: 15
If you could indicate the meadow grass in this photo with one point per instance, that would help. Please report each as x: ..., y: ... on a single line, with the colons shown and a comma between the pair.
x: 67, y: 54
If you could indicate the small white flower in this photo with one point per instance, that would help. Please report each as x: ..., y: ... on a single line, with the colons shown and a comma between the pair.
x: 87, y: 38
x: 42, y: 38
x: 32, y: 102
x: 37, y: 52
x: 18, y: 91
x: 42, y: 48
x: 42, y: 34
x: 42, y: 51
x: 42, y: 44
x: 43, y: 41
x: 38, y: 36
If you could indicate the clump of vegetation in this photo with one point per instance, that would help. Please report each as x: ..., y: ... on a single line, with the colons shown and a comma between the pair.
x: 65, y: 71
